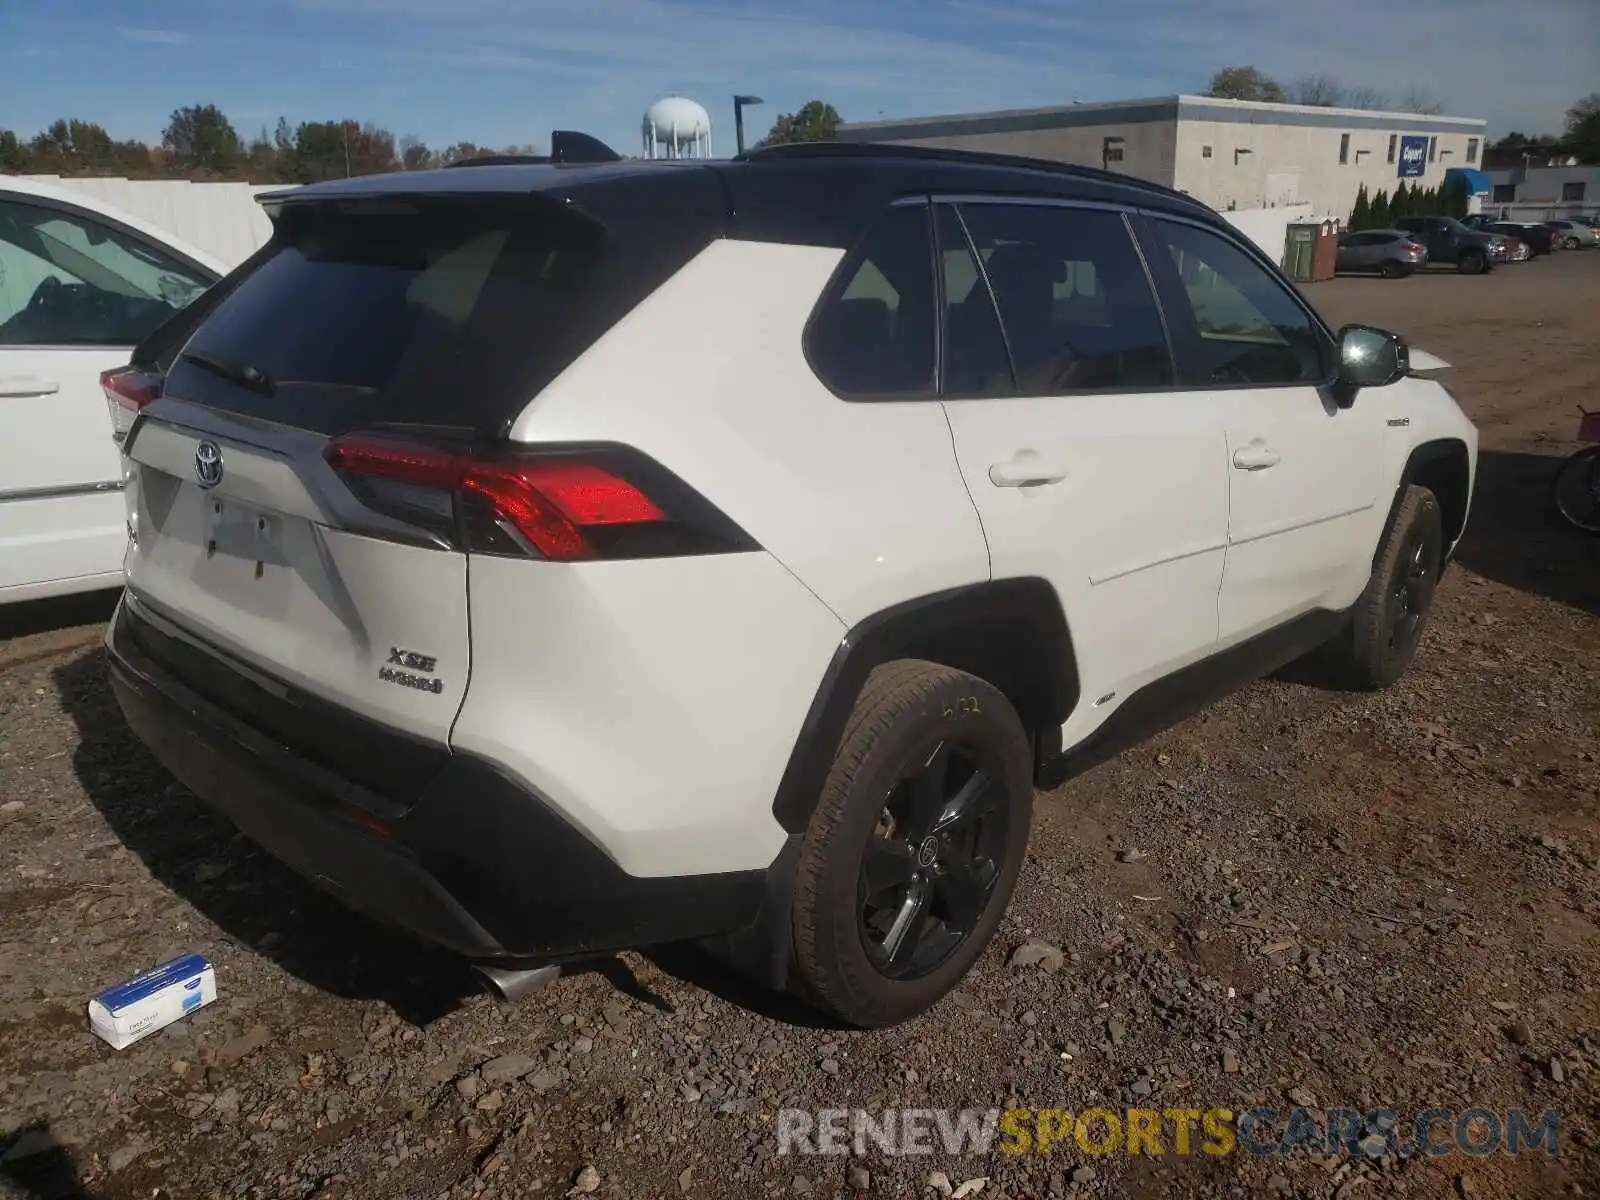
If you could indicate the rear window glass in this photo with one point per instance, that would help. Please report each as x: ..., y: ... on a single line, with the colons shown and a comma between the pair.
x: 440, y: 313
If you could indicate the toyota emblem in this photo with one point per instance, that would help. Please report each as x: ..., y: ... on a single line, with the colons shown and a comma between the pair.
x: 208, y: 464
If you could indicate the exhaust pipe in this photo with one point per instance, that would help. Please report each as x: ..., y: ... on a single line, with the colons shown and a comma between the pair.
x: 510, y: 984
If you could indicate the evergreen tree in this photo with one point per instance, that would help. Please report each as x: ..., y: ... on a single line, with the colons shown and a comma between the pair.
x: 1361, y: 214
x: 1379, y: 212
x: 1400, y: 206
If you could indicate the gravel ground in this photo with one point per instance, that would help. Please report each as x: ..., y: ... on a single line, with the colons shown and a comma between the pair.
x: 1300, y: 897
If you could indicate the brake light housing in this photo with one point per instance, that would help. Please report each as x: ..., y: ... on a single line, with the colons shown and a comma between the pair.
x: 558, y: 503
x: 127, y: 391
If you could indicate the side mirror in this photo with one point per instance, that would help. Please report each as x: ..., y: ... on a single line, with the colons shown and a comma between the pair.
x: 1369, y: 357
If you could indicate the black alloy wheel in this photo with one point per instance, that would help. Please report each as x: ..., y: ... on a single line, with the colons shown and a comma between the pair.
x: 1412, y: 592
x: 930, y: 868
x: 907, y: 864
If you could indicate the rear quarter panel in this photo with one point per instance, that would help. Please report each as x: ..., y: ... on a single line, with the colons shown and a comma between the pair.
x: 863, y: 502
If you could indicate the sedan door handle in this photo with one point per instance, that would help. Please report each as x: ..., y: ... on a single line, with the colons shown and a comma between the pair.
x: 23, y: 386
x: 1257, y: 456
x: 1024, y: 468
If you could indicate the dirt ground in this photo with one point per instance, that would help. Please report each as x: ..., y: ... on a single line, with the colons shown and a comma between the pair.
x: 1299, y: 898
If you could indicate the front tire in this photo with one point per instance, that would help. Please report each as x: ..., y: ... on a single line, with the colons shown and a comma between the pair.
x: 911, y: 856
x: 1473, y: 264
x: 1575, y: 489
x: 1387, y: 622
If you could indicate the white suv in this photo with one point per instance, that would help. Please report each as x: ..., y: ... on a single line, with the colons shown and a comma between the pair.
x: 557, y: 559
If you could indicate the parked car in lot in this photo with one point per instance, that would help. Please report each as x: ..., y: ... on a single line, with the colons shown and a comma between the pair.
x: 1540, y: 239
x: 1392, y: 253
x: 1574, y: 235
x: 1449, y: 241
x: 467, y: 584
x: 80, y: 284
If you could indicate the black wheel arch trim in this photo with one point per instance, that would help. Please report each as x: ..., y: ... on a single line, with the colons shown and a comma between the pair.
x: 1011, y: 632
x: 1420, y: 463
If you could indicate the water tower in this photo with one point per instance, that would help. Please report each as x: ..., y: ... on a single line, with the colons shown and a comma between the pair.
x: 677, y: 127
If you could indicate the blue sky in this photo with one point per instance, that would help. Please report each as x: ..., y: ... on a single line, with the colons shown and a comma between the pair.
x: 499, y: 72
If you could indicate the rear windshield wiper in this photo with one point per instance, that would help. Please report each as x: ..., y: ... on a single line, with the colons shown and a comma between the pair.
x: 234, y: 372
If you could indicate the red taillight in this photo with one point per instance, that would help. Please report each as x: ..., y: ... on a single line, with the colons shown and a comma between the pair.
x: 400, y: 461
x: 585, y: 494
x: 553, y: 504
x: 127, y: 391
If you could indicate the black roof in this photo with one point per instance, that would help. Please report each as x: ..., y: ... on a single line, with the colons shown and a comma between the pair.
x: 818, y: 193
x: 890, y: 153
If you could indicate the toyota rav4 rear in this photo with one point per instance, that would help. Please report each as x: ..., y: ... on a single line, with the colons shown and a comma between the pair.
x: 438, y: 671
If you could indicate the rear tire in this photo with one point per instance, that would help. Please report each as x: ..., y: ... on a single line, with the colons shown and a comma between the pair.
x: 1393, y: 270
x: 1387, y: 622
x: 911, y: 856
x: 1571, y: 243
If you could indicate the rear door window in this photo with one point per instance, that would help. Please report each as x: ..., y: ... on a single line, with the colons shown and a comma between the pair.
x: 1074, y: 300
x: 432, y: 312
x: 976, y: 362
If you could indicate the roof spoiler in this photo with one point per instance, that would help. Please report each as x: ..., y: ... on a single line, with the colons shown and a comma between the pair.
x: 566, y: 146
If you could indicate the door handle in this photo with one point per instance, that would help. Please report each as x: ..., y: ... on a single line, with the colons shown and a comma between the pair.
x: 1257, y: 456
x: 1024, y: 468
x: 23, y: 386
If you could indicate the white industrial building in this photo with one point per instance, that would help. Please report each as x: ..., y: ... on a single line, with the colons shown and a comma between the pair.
x: 1231, y: 154
x: 1529, y: 192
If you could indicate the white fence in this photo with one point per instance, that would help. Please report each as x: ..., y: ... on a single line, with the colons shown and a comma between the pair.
x: 223, y: 219
x: 1269, y: 227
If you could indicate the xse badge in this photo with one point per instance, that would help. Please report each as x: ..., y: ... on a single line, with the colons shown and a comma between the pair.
x: 406, y: 668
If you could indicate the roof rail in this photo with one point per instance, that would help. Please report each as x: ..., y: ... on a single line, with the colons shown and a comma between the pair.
x: 868, y: 150
x: 566, y: 146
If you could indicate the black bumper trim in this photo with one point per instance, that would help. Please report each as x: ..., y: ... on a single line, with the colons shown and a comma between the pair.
x: 387, y: 763
x: 479, y: 863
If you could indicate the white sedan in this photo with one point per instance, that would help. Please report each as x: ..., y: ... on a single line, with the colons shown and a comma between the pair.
x: 81, y: 284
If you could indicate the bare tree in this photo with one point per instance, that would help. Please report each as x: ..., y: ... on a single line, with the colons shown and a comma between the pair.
x: 1366, y: 97
x: 1420, y: 98
x: 1323, y: 91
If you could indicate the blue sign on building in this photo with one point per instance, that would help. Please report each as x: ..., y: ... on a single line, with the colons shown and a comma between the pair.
x: 1413, y: 157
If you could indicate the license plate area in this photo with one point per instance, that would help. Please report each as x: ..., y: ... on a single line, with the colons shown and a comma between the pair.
x: 235, y: 530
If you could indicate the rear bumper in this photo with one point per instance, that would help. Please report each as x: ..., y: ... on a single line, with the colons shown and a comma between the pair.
x: 476, y: 862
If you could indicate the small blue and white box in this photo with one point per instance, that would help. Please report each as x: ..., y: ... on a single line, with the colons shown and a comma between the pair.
x: 129, y: 1011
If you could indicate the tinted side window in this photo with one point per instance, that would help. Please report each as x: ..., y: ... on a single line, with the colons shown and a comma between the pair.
x: 975, y: 358
x: 67, y: 279
x: 1241, y: 325
x: 873, y: 337
x: 1073, y: 296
